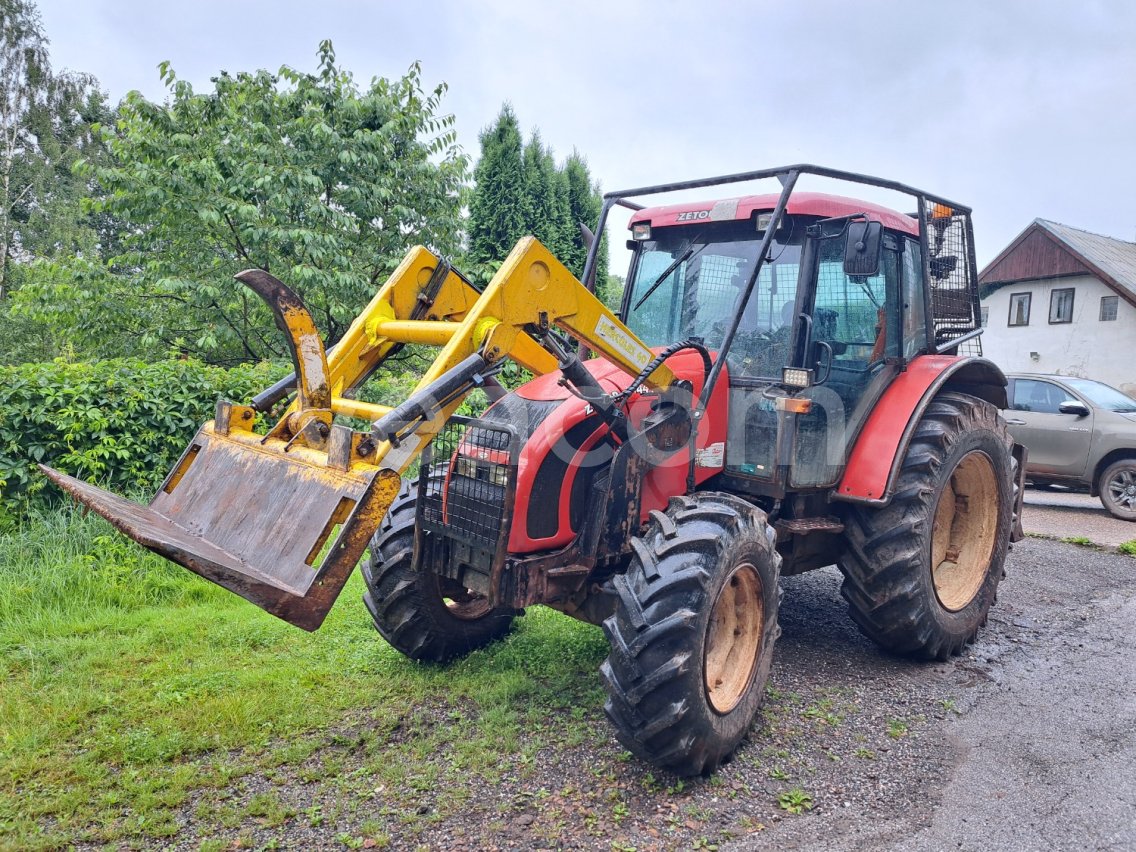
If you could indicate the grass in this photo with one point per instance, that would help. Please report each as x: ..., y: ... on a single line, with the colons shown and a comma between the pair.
x: 1128, y: 548
x: 129, y: 689
x: 896, y: 728
x: 1079, y: 540
x: 795, y: 801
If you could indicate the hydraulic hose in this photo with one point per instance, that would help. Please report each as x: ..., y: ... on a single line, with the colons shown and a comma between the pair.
x: 656, y: 362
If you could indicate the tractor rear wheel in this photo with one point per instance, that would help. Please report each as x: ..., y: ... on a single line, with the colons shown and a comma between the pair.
x: 693, y: 632
x: 418, y: 612
x: 921, y: 573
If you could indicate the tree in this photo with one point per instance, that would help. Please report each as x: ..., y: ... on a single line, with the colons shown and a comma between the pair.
x: 584, y: 203
x: 307, y: 176
x: 519, y: 190
x: 545, y: 199
x: 609, y: 289
x: 45, y: 127
x: 46, y: 122
x: 497, y: 215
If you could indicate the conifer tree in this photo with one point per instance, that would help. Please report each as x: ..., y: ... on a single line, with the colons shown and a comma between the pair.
x: 496, y: 211
x: 584, y: 203
x: 546, y: 199
x: 520, y: 191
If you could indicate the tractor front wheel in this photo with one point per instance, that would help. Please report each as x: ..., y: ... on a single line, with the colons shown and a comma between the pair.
x: 417, y: 611
x: 693, y: 632
x: 921, y: 573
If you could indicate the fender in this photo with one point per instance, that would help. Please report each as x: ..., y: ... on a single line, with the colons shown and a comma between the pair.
x: 873, y: 464
x: 566, y: 446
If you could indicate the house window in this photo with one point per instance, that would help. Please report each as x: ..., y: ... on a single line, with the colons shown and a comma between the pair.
x: 1019, y: 308
x: 985, y: 316
x: 1108, y: 308
x: 1061, y: 305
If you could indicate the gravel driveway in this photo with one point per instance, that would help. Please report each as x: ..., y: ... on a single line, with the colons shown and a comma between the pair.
x: 1042, y: 753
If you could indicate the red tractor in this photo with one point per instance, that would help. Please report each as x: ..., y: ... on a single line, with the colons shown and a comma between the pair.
x: 786, y: 386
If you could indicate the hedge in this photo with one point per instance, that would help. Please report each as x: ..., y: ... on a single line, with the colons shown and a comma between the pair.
x: 120, y: 423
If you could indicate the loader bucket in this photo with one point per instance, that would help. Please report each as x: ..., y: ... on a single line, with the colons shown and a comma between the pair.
x: 279, y: 519
x: 278, y: 528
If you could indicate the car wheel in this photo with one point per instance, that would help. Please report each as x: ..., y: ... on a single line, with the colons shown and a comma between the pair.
x: 1118, y: 489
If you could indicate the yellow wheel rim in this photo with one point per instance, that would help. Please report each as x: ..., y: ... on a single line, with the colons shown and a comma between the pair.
x: 733, y: 638
x: 966, y: 525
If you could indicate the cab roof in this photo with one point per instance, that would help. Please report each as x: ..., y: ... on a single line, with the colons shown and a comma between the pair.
x: 800, y: 204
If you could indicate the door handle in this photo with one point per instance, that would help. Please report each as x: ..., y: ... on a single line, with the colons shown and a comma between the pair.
x: 825, y: 347
x: 1015, y: 422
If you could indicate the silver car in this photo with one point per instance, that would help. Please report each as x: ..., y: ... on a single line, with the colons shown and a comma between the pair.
x: 1078, y: 433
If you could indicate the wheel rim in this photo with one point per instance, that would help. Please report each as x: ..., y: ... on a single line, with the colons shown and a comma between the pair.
x: 1122, y: 489
x: 468, y: 607
x: 461, y: 602
x: 733, y: 638
x: 965, y: 529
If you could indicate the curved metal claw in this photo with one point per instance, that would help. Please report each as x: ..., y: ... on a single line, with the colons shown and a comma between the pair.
x: 304, y: 341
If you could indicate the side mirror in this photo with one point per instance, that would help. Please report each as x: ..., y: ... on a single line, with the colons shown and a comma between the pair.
x: 1072, y: 406
x: 862, y: 248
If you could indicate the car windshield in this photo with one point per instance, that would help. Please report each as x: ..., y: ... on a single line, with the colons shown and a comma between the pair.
x: 687, y: 281
x: 1102, y: 395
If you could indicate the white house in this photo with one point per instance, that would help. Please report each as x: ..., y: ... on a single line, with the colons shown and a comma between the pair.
x: 1061, y: 300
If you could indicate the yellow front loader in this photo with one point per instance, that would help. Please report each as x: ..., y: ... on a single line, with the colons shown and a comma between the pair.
x: 282, y: 519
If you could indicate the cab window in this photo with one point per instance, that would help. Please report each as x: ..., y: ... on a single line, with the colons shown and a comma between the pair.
x: 687, y: 281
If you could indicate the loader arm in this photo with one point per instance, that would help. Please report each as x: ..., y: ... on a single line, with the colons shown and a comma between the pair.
x: 532, y: 291
x: 282, y: 519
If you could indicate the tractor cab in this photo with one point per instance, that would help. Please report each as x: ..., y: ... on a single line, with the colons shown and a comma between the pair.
x: 833, y: 313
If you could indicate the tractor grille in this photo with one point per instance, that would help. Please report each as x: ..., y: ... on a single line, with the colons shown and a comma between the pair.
x: 466, y: 485
x: 950, y: 264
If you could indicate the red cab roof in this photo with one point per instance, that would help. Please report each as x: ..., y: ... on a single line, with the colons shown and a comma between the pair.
x: 800, y: 204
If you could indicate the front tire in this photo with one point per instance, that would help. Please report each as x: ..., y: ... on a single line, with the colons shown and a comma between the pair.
x: 921, y: 573
x: 422, y: 615
x: 693, y: 632
x: 1117, y: 489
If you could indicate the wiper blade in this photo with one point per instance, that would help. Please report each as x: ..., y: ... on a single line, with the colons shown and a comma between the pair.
x: 675, y: 264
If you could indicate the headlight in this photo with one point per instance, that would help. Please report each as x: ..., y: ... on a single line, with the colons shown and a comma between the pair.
x: 795, y: 377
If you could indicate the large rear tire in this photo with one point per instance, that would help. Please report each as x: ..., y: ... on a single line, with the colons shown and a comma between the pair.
x: 921, y: 573
x: 693, y: 632
x: 422, y: 615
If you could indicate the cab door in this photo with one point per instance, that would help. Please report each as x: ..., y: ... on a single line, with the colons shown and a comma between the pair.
x: 1057, y: 443
x: 852, y: 339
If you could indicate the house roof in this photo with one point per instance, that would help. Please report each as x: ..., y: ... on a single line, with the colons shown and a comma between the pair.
x: 1051, y: 250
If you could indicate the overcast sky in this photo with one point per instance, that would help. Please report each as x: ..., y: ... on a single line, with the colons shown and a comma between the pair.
x: 1018, y: 109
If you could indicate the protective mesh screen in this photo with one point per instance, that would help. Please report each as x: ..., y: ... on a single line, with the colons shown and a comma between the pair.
x: 712, y: 298
x: 466, y: 478
x: 954, y: 302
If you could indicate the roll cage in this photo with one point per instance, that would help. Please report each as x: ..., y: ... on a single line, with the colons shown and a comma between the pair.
x: 946, y: 242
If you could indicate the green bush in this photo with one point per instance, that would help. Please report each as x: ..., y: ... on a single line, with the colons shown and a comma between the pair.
x: 119, y: 423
